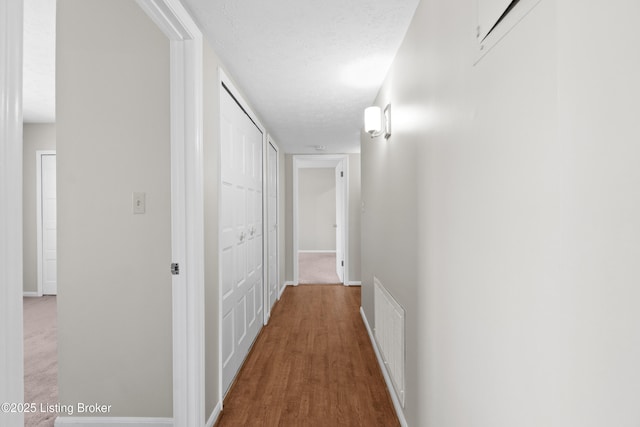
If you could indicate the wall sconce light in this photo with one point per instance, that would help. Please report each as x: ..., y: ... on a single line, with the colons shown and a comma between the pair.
x: 377, y: 123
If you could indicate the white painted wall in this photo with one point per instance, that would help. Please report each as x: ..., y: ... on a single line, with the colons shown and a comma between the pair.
x: 211, y: 152
x: 317, y: 209
x: 36, y: 136
x: 282, y: 218
x: 355, y: 208
x: 114, y: 301
x: 599, y: 212
x: 503, y: 215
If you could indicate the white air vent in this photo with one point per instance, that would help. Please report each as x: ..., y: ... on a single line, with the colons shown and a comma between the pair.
x: 389, y: 334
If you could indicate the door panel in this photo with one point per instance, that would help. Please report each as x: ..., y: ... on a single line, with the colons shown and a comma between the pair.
x: 241, y: 234
x: 340, y: 221
x: 49, y: 227
x: 272, y: 225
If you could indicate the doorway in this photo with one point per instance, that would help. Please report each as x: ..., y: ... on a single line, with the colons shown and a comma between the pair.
x: 272, y: 211
x: 186, y: 184
x: 320, y: 209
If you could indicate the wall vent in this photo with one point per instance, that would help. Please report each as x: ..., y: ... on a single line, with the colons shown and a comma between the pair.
x: 390, y: 335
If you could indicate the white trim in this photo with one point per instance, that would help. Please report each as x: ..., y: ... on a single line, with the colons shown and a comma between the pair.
x: 305, y: 161
x: 385, y: 373
x: 187, y: 210
x: 113, y: 421
x: 39, y: 154
x: 11, y: 286
x: 355, y: 283
x: 282, y: 288
x: 31, y: 294
x: 304, y: 251
x: 214, y: 415
x: 224, y: 79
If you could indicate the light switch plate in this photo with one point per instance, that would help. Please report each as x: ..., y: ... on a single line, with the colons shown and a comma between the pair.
x: 139, y: 204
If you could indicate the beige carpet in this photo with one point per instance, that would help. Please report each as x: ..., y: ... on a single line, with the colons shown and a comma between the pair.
x: 317, y: 268
x: 40, y: 358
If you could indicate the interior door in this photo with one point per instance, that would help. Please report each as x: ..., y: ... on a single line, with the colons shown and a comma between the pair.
x: 272, y: 224
x: 48, y: 246
x: 340, y: 221
x: 240, y: 235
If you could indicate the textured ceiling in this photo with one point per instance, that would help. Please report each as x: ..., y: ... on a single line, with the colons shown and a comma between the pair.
x: 308, y: 67
x: 39, y: 63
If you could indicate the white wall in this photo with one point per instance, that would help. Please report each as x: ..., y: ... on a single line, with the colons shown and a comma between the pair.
x: 317, y: 209
x: 502, y: 214
x: 355, y: 208
x: 599, y: 211
x: 36, y: 137
x: 282, y: 216
x: 114, y: 301
x: 211, y: 138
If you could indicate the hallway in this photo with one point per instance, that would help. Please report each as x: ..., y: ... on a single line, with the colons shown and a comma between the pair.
x: 312, y: 365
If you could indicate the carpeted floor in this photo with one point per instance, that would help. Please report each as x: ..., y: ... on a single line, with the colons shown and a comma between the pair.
x: 40, y: 358
x: 317, y: 268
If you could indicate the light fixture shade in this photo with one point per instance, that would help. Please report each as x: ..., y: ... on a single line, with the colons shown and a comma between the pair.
x: 372, y: 120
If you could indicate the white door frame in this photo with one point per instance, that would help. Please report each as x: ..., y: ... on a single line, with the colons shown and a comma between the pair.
x: 187, y: 207
x: 224, y: 80
x: 271, y: 143
x: 11, y: 338
x: 306, y: 161
x: 39, y: 235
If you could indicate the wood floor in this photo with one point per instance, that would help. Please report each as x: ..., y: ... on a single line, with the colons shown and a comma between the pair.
x: 312, y: 365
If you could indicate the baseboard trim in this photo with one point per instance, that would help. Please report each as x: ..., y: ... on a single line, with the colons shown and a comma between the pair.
x: 214, y: 415
x: 284, y: 286
x: 385, y: 373
x: 31, y: 294
x: 113, y: 422
x: 316, y: 251
x: 354, y: 283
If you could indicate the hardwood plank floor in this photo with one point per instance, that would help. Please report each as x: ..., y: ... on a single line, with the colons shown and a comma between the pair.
x: 312, y: 365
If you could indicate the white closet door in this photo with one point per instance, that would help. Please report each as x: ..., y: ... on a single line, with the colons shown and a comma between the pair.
x: 272, y: 224
x: 49, y: 225
x: 240, y: 235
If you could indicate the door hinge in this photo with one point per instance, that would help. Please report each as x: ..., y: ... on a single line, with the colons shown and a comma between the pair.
x: 175, y: 268
x: 342, y: 263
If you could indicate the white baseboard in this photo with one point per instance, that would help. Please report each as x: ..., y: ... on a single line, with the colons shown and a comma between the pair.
x: 281, y: 290
x: 214, y: 415
x: 113, y: 422
x: 31, y: 294
x: 385, y: 373
x: 317, y: 251
x: 354, y: 283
